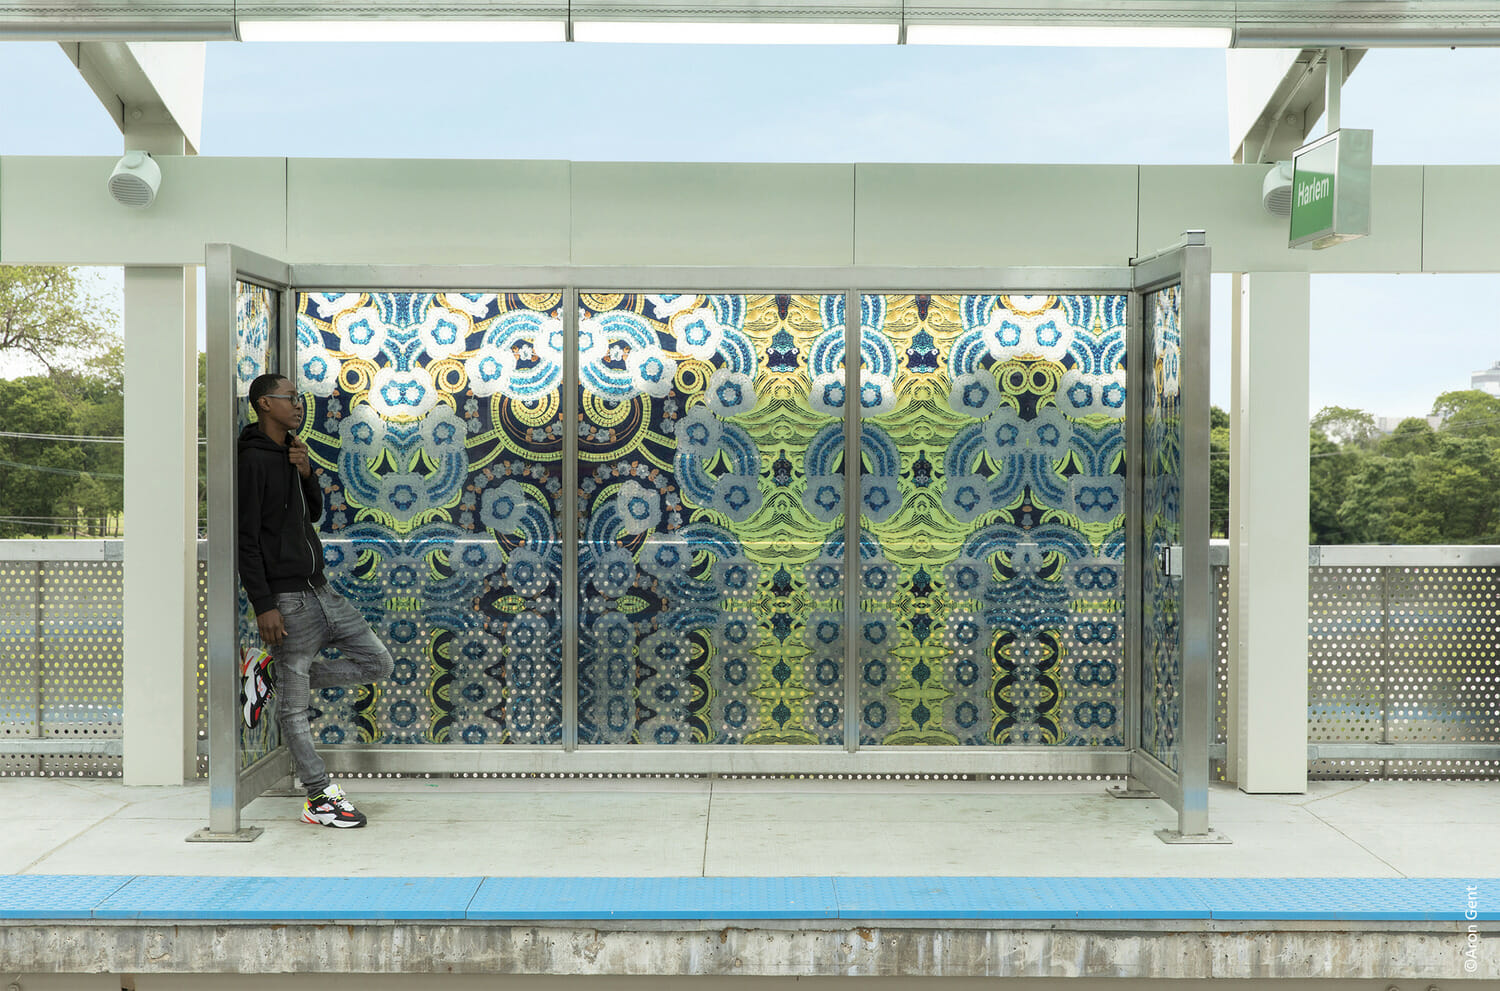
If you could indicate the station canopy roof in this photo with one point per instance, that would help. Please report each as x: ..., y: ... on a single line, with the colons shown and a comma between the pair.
x: 1193, y: 23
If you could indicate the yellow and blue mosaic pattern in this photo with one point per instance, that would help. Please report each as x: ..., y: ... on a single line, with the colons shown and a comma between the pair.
x: 1161, y: 593
x: 710, y: 509
x: 435, y: 425
x: 992, y: 519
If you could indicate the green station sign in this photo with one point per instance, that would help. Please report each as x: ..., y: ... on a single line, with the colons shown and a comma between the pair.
x: 1331, y: 190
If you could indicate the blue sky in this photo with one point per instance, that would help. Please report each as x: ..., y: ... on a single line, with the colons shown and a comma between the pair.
x: 839, y: 104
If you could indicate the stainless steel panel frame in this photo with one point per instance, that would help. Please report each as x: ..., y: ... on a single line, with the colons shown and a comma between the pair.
x: 1198, y: 605
x: 260, y: 776
x: 1413, y: 556
x: 622, y: 278
x: 1403, y: 751
x: 570, y: 588
x: 1154, y: 776
x: 1134, y: 476
x: 226, y: 264
x: 1187, y: 265
x: 55, y: 747
x: 230, y: 788
x: 710, y: 759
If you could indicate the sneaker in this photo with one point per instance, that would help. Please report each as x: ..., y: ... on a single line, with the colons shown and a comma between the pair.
x: 331, y: 807
x: 257, y: 689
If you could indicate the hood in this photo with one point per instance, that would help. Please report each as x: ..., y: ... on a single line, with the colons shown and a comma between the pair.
x: 254, y: 437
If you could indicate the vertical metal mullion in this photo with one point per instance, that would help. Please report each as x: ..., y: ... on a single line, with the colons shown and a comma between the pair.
x: 288, y: 365
x: 1135, y: 524
x: 286, y: 334
x: 852, y: 469
x: 570, y: 631
x: 223, y: 724
x: 1197, y: 603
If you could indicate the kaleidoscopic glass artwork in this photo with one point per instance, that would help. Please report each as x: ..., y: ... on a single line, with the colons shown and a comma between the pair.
x: 992, y: 511
x: 434, y: 422
x: 1161, y: 623
x: 710, y: 510
x: 255, y: 353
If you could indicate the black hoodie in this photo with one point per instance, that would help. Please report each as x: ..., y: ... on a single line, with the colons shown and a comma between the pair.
x: 279, y: 547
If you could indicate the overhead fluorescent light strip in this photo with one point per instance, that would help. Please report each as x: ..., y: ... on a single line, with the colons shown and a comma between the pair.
x: 733, y: 33
x: 1067, y: 36
x: 494, y: 30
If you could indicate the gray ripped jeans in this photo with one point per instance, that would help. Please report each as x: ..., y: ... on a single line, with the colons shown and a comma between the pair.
x: 316, y: 619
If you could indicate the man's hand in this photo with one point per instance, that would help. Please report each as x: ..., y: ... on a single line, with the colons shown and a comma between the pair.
x: 297, y: 455
x: 272, y: 629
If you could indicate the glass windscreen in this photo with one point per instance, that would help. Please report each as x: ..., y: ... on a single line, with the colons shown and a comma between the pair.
x: 710, y: 508
x: 1161, y: 591
x: 991, y: 519
x: 710, y: 518
x: 256, y: 351
x: 434, y: 422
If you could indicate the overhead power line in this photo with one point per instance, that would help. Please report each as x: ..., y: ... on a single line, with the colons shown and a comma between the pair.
x: 25, y: 524
x: 71, y: 438
x: 60, y: 471
x: 14, y: 519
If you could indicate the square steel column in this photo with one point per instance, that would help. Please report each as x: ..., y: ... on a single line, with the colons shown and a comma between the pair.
x: 161, y: 525
x: 1268, y: 503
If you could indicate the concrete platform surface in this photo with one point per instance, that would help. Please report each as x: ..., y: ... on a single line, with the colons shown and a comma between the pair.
x: 671, y: 827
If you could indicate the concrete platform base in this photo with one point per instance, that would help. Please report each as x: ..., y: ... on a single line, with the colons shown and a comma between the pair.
x: 1176, y: 950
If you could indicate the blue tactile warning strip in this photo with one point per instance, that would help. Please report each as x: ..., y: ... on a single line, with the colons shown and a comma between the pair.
x: 291, y: 898
x: 42, y: 896
x: 58, y: 897
x: 655, y: 898
x: 1342, y: 898
x: 1017, y: 898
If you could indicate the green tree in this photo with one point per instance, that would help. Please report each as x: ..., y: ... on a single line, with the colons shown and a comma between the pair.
x: 1471, y: 412
x: 41, y: 473
x: 1411, y: 436
x: 1459, y: 482
x: 1218, y: 472
x: 1344, y: 425
x: 52, y: 316
x: 1379, y: 507
x: 1443, y: 494
x: 1330, y: 469
x: 50, y: 482
x: 91, y: 502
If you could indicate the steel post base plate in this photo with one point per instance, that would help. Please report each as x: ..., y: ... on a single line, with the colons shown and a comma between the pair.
x: 1125, y: 791
x: 245, y: 834
x: 1172, y: 836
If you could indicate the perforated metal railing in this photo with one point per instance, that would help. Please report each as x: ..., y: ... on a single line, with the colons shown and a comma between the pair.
x: 60, y: 657
x: 1403, y: 653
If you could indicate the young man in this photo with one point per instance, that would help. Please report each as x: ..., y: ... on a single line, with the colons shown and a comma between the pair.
x: 281, y: 567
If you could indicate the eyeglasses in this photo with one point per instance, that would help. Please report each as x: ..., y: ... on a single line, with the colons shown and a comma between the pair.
x: 290, y: 398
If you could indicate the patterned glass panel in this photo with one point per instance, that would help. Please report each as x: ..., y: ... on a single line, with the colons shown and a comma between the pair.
x: 711, y: 519
x: 991, y: 519
x: 1161, y: 594
x: 434, y: 423
x: 256, y: 329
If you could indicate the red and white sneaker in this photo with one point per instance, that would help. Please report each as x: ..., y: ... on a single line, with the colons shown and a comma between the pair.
x: 257, y: 686
x: 331, y: 807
